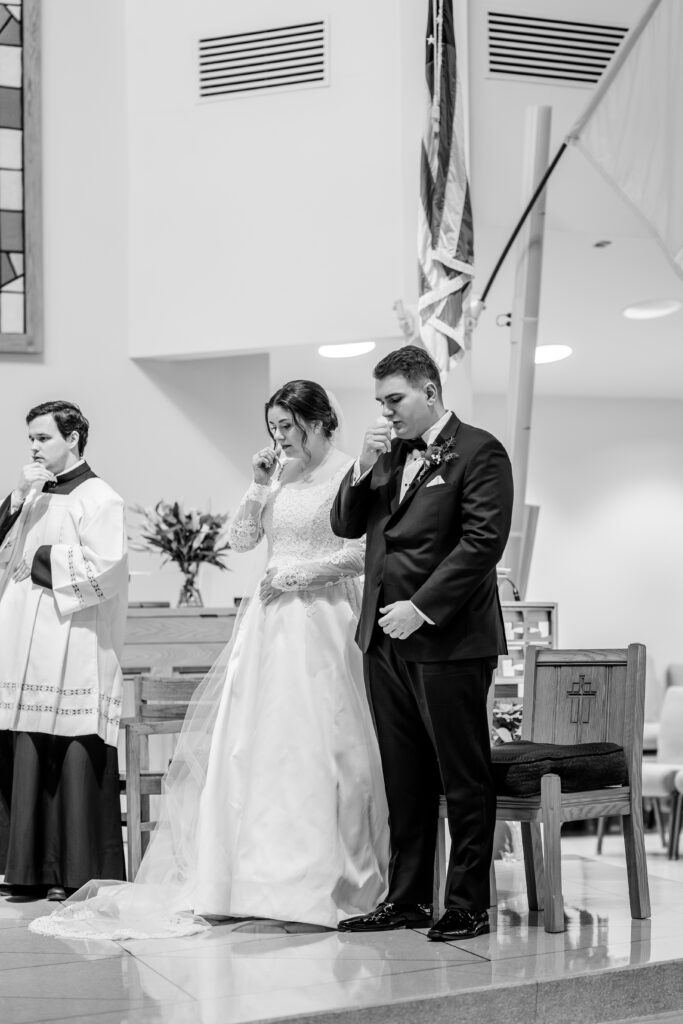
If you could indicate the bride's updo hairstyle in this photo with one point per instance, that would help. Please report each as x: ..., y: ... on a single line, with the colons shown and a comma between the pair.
x: 307, y: 403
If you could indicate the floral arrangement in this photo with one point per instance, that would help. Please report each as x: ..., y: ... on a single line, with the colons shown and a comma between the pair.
x: 187, y: 538
x: 507, y: 723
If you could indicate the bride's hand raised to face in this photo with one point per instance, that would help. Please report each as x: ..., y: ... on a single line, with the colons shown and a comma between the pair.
x: 264, y: 463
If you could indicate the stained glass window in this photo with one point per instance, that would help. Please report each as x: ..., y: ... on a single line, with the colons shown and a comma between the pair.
x: 19, y: 175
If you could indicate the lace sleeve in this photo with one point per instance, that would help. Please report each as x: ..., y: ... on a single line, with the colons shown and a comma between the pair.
x: 246, y: 527
x: 344, y: 563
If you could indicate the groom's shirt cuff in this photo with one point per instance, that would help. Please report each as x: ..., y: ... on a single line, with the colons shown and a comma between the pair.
x: 356, y: 479
x: 357, y: 475
x: 422, y: 615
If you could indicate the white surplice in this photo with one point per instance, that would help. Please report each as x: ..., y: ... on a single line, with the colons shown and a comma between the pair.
x: 60, y: 647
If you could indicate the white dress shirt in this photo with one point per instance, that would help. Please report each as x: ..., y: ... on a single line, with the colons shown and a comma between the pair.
x: 415, y: 460
x: 411, y: 468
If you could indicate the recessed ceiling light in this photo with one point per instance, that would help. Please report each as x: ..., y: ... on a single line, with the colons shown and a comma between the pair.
x: 651, y: 309
x: 552, y: 353
x: 346, y: 351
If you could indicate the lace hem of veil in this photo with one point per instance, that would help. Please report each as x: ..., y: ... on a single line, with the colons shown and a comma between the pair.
x: 158, y: 903
x: 117, y: 911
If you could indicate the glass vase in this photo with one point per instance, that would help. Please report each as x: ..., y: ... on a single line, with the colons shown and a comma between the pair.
x: 190, y: 594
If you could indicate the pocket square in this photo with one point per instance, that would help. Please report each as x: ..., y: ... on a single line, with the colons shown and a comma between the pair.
x: 436, y: 481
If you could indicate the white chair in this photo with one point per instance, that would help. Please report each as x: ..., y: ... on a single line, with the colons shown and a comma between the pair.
x: 676, y: 815
x: 659, y: 773
x: 654, y: 695
x: 674, y: 675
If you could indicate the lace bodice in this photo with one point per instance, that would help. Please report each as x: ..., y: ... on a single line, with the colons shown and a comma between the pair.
x: 295, y: 519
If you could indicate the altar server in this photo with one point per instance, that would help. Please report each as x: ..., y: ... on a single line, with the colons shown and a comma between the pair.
x: 63, y: 594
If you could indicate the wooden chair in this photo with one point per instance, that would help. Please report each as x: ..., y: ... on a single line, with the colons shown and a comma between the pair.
x: 570, y: 697
x: 159, y: 707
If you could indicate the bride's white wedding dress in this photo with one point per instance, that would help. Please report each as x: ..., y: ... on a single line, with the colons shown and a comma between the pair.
x: 274, y: 804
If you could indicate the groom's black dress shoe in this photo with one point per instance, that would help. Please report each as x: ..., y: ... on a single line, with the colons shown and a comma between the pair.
x: 459, y: 924
x: 390, y: 915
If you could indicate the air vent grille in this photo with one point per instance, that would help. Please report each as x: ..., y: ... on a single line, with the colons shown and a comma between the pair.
x: 292, y: 56
x: 561, y: 51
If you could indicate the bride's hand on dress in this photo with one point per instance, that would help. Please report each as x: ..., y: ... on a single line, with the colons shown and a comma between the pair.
x: 267, y: 592
x: 264, y: 464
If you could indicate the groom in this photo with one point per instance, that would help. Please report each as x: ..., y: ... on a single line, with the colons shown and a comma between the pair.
x: 435, y: 503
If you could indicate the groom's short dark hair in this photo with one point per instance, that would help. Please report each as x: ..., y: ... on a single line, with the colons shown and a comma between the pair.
x: 411, y: 362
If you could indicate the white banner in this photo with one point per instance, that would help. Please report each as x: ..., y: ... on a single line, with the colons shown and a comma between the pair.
x: 632, y: 130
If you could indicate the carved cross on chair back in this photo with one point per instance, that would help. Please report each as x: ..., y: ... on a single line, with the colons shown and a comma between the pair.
x: 580, y: 707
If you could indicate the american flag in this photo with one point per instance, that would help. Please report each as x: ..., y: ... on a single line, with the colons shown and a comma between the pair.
x: 445, y: 230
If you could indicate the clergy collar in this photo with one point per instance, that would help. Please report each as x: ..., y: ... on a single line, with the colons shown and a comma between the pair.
x: 65, y: 472
x: 70, y: 479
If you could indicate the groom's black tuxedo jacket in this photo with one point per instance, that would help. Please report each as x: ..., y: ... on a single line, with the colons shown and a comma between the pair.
x: 438, y: 548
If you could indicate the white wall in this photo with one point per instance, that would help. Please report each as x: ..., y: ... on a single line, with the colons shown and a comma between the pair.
x: 608, y: 476
x: 158, y: 430
x: 263, y: 220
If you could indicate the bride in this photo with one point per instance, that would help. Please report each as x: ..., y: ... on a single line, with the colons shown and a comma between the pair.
x: 274, y: 802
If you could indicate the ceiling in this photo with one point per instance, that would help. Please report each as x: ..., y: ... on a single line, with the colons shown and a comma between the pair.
x: 584, y: 288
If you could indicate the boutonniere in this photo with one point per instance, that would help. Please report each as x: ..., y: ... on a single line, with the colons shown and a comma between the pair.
x: 435, y: 454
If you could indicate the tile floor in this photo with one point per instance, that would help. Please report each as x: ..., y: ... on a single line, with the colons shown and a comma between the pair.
x: 251, y: 971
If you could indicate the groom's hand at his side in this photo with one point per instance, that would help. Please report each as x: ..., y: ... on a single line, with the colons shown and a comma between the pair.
x: 400, y: 619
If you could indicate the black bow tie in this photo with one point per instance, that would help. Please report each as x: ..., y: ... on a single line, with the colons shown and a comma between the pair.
x: 416, y: 444
x: 49, y: 485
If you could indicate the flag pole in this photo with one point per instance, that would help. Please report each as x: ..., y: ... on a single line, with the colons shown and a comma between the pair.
x: 524, y: 333
x: 520, y: 223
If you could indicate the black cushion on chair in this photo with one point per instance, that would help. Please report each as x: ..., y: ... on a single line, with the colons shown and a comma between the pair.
x: 518, y: 766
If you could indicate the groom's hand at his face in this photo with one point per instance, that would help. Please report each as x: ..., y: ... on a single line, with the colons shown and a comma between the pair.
x: 377, y: 440
x: 400, y: 619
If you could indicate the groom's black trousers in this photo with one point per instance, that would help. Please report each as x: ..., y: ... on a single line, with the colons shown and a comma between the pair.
x: 433, y: 736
